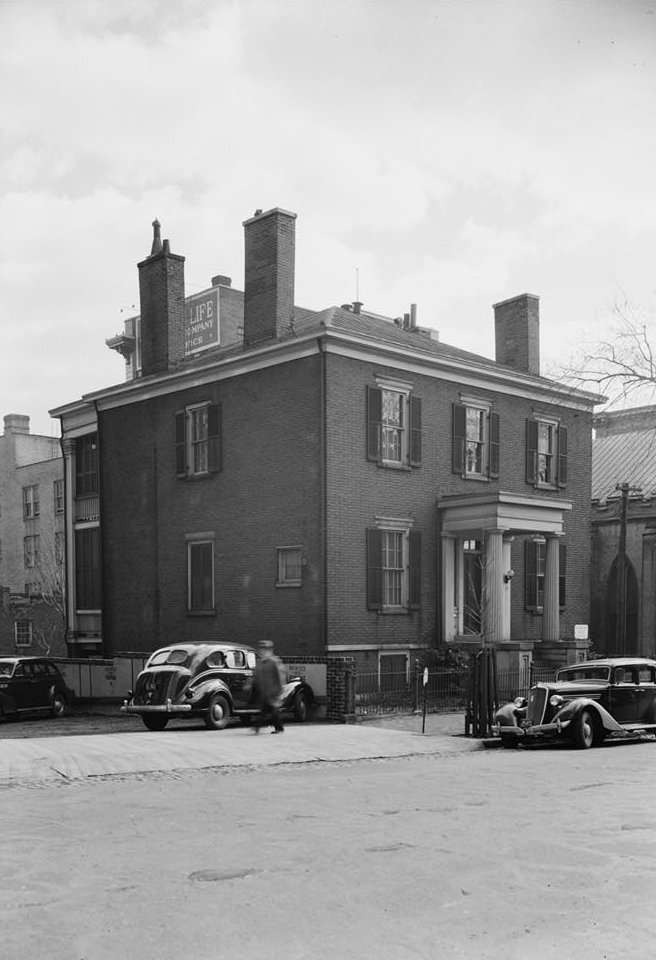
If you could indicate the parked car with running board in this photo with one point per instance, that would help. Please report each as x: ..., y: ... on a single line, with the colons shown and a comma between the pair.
x: 213, y: 681
x: 586, y: 703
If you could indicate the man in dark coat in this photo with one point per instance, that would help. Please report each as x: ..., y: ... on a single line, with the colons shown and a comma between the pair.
x: 268, y: 680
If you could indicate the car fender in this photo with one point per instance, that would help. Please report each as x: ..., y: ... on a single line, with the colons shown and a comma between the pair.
x: 572, y: 710
x: 293, y: 687
x: 200, y: 692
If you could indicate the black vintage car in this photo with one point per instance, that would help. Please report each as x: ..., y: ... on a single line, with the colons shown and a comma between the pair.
x: 32, y: 685
x: 213, y: 681
x: 585, y: 704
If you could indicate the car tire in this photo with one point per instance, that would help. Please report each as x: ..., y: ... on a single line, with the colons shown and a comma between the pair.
x: 155, y: 722
x: 217, y: 715
x: 301, y: 706
x: 509, y: 743
x: 585, y: 729
x: 58, y: 707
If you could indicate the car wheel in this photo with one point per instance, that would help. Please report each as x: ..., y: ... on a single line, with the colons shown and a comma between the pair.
x: 301, y: 707
x: 510, y: 743
x: 218, y: 713
x: 155, y: 722
x: 584, y: 731
x: 58, y: 705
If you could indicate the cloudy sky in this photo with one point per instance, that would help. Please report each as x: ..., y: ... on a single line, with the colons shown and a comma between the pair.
x: 448, y: 154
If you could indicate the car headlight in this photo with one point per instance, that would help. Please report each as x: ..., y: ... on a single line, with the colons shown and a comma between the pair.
x: 556, y: 700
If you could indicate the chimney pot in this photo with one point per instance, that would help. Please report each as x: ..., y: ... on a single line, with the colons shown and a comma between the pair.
x: 157, y: 239
x: 220, y: 281
x: 357, y: 306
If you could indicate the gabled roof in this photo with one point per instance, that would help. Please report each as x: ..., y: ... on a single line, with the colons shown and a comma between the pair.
x: 625, y: 457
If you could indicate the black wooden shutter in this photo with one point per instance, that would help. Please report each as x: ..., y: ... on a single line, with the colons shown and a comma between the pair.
x: 459, y: 435
x: 180, y: 445
x: 531, y: 451
x: 415, y: 431
x: 562, y: 574
x: 562, y: 456
x: 414, y: 552
x: 530, y: 575
x: 374, y: 569
x: 214, y: 437
x: 494, y: 445
x: 374, y: 422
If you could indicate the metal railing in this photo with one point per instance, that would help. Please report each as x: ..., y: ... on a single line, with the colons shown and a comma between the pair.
x: 446, y: 692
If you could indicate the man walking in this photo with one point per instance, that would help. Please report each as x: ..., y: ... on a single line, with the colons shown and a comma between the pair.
x: 268, y: 681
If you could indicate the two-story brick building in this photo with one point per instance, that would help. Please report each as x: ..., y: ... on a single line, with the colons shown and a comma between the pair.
x: 339, y: 481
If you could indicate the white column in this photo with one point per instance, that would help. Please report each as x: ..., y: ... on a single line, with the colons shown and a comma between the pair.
x: 507, y: 584
x: 493, y: 591
x: 447, y: 586
x: 551, y: 610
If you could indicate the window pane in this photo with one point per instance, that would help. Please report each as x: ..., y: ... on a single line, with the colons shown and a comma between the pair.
x: 199, y: 436
x: 392, y: 426
x: 289, y: 565
x: 393, y: 569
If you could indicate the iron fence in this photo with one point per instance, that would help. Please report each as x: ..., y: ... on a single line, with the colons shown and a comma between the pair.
x: 446, y: 691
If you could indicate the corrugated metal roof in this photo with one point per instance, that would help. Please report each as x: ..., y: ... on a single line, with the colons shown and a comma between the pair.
x: 624, y: 458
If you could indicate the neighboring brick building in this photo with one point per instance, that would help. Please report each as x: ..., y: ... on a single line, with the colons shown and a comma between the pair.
x: 623, y: 595
x: 31, y: 540
x: 336, y: 480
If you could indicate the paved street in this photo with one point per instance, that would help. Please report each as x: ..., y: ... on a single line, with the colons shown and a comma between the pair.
x: 244, y: 846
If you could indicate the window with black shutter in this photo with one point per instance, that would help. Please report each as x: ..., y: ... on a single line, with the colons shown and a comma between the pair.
x: 546, y: 453
x: 534, y: 559
x: 198, y: 440
x: 393, y: 426
x: 393, y: 568
x: 476, y: 445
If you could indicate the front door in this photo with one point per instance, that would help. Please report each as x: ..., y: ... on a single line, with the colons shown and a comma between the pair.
x: 472, y: 587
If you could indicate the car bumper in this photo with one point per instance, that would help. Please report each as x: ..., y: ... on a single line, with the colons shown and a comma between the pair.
x: 149, y: 708
x: 543, y: 731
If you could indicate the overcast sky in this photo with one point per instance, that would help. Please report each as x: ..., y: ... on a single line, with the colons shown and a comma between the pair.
x: 448, y: 154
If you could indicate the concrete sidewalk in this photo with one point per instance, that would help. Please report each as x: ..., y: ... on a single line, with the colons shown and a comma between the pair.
x: 115, y: 754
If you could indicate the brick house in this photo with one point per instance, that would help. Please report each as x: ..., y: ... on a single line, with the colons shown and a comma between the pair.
x: 31, y: 541
x: 339, y: 481
x: 623, y: 588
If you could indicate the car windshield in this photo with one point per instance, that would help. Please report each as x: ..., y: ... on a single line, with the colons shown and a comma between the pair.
x: 581, y: 672
x: 160, y: 657
x: 6, y: 668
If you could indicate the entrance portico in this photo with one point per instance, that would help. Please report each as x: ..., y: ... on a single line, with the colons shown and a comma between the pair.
x: 483, y: 527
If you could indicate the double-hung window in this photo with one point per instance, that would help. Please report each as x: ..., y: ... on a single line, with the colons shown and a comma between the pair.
x: 290, y: 567
x: 31, y: 508
x: 535, y: 557
x: 475, y: 451
x: 197, y: 440
x: 58, y: 494
x: 23, y: 633
x: 200, y: 574
x: 86, y: 465
x: 546, y: 452
x: 32, y: 551
x: 393, y: 424
x: 393, y: 566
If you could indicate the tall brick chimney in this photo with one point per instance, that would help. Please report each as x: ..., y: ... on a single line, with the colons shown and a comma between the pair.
x: 161, y: 290
x: 269, y: 240
x: 517, y: 333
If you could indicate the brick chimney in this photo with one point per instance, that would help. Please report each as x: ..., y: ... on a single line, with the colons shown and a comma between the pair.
x: 269, y: 274
x: 517, y: 333
x: 161, y: 289
x: 17, y: 423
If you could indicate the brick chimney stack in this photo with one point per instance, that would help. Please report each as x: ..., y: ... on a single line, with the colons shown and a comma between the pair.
x: 269, y: 274
x: 161, y: 290
x: 517, y: 333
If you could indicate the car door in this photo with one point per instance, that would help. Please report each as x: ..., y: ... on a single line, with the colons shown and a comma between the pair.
x: 622, y: 694
x: 21, y: 687
x: 40, y: 685
x: 239, y: 678
x: 646, y: 694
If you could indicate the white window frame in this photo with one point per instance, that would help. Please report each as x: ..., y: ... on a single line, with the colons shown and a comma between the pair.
x: 198, y: 446
x: 30, y: 633
x: 31, y: 505
x: 399, y: 392
x: 400, y: 529
x: 286, y: 567
x: 552, y: 453
x: 58, y: 496
x: 481, y: 409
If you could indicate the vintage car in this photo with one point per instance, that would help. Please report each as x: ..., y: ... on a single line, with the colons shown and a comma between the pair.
x: 32, y: 685
x: 213, y: 681
x: 585, y: 704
